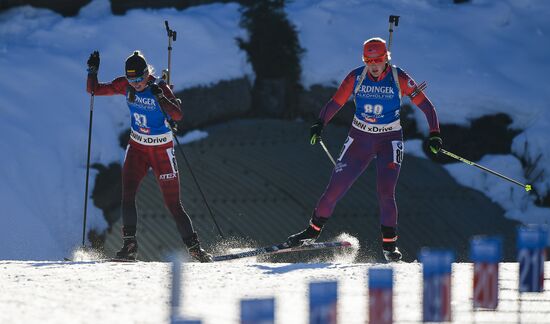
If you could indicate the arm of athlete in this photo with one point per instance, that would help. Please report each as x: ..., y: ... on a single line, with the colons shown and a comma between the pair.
x: 407, y: 85
x: 338, y: 100
x: 169, y: 103
x: 116, y: 87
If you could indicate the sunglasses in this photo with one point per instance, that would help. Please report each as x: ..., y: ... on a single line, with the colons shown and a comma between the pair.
x: 375, y: 60
x: 135, y: 80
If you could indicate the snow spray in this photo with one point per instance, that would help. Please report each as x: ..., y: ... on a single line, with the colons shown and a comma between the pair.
x: 436, y: 275
x: 381, y: 295
x: 531, y: 243
x: 258, y: 311
x: 486, y: 253
x: 323, y: 300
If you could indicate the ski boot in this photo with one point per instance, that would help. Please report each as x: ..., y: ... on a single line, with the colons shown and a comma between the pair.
x: 392, y: 255
x: 309, y: 235
x: 195, y: 250
x: 128, y: 250
x: 389, y: 244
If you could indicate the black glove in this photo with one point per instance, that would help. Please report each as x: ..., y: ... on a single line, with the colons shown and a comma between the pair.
x: 435, y: 142
x: 173, y: 125
x: 93, y: 62
x: 315, y: 131
x: 156, y: 90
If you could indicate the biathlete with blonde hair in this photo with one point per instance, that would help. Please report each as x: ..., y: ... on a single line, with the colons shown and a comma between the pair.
x: 376, y: 89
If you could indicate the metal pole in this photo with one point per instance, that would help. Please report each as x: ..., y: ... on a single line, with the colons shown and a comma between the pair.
x: 192, y: 173
x: 88, y: 168
x: 197, y: 184
x: 172, y: 35
x: 461, y: 159
x: 393, y: 20
x: 327, y: 151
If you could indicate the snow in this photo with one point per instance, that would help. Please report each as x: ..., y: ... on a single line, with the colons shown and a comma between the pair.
x: 414, y: 147
x: 192, y: 136
x: 106, y: 292
x: 478, y: 58
x: 510, y: 196
x: 533, y: 145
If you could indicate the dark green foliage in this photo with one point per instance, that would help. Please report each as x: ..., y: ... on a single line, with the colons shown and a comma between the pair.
x: 119, y: 7
x: 489, y: 134
x: 533, y: 171
x: 108, y: 189
x: 544, y: 201
x: 67, y: 8
x: 273, y: 47
x: 124, y: 138
x: 408, y: 122
x: 97, y: 239
x: 274, y: 51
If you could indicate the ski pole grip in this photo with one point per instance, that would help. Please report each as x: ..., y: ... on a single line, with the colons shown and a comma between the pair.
x: 394, y: 19
x: 171, y: 33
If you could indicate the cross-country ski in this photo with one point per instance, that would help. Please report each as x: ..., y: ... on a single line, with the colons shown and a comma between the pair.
x: 281, y: 248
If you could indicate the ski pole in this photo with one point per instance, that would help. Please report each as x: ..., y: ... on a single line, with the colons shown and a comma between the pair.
x: 180, y: 150
x: 88, y: 168
x: 527, y: 187
x: 393, y: 20
x: 166, y: 75
x: 171, y: 36
x: 327, y: 151
x: 196, y: 183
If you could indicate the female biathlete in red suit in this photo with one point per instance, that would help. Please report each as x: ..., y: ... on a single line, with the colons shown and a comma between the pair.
x: 377, y: 89
x: 150, y: 146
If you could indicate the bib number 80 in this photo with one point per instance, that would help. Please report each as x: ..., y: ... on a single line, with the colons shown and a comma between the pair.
x: 376, y: 109
x: 397, y: 147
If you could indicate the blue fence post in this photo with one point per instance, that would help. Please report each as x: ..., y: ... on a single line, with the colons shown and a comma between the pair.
x: 175, y: 289
x: 258, y: 311
x: 436, y: 275
x: 175, y: 299
x: 486, y: 253
x: 531, y: 243
x: 323, y: 301
x: 186, y: 321
x: 381, y: 295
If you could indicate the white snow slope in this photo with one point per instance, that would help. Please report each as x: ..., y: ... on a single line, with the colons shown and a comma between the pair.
x: 94, y: 292
x: 479, y: 58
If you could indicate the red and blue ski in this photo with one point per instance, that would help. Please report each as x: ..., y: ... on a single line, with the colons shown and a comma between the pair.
x: 282, y: 248
x: 273, y: 249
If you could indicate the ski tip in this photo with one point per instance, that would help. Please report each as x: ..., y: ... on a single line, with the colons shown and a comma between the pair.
x: 346, y: 244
